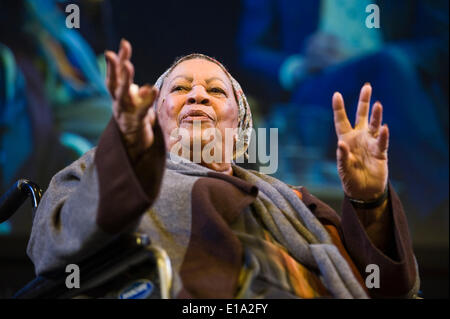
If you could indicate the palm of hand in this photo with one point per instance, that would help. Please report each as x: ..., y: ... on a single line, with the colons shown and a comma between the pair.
x: 362, y: 150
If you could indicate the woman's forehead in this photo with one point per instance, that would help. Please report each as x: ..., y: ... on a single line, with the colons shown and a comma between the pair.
x: 200, y: 69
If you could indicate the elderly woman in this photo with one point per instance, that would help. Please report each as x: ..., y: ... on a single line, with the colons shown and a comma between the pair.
x: 229, y: 232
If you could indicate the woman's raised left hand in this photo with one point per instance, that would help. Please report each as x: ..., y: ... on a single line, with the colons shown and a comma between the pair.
x: 362, y: 159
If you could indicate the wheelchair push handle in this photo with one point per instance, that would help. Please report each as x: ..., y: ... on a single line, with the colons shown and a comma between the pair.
x: 16, y: 196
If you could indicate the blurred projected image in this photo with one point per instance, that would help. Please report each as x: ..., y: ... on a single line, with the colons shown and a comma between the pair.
x: 267, y: 149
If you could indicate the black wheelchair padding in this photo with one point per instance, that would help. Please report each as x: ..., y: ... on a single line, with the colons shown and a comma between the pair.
x: 104, y: 274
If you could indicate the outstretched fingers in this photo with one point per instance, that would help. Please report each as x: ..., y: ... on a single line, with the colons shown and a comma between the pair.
x: 112, y: 64
x: 125, y: 81
x: 125, y: 72
x: 341, y: 122
x: 376, y: 119
x: 362, y: 112
x: 125, y: 50
x: 383, y: 139
x: 120, y: 71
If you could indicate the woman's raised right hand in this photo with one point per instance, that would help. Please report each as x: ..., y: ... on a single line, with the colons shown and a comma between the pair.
x: 131, y: 104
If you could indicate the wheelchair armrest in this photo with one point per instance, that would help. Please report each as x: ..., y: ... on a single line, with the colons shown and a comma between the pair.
x: 16, y: 195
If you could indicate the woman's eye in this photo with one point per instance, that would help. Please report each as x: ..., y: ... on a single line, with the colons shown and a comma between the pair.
x: 217, y: 90
x: 179, y: 88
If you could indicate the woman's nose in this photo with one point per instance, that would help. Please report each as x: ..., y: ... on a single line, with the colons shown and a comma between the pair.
x: 198, y: 95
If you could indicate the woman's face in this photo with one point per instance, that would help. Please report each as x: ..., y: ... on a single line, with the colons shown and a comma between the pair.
x: 196, y: 93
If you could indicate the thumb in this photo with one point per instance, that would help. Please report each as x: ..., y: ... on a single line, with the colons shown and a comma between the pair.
x: 144, y: 97
x: 148, y: 94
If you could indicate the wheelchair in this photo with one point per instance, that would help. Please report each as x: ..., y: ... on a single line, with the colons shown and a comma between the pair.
x: 130, y: 267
